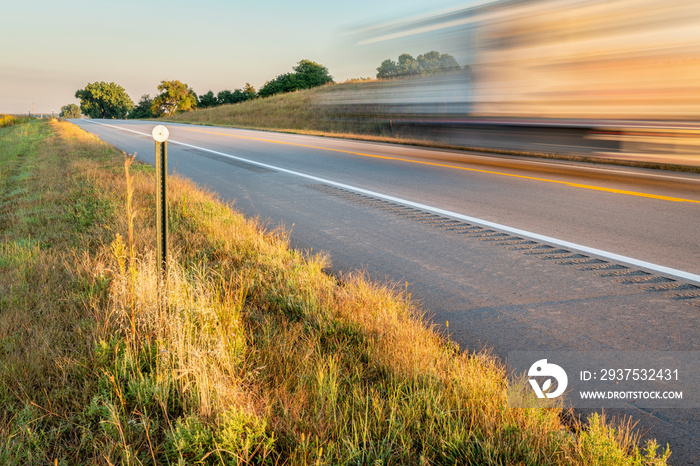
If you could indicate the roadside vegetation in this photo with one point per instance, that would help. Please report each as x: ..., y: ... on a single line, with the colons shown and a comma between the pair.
x: 254, y: 355
x: 104, y: 100
x: 426, y: 64
x: 110, y: 100
x: 70, y: 111
x: 7, y: 120
x: 292, y: 112
x: 300, y: 112
x: 11, y: 120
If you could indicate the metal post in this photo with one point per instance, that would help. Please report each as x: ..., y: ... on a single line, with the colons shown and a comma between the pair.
x: 160, y: 134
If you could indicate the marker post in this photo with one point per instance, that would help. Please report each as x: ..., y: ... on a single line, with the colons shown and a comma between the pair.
x: 160, y: 135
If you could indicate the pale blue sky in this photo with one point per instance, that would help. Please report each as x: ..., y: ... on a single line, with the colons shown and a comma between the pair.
x: 53, y: 48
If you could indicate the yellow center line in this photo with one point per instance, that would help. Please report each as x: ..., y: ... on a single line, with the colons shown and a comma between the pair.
x: 435, y: 164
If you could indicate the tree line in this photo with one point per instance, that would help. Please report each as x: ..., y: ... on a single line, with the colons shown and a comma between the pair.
x: 110, y: 100
x: 429, y: 63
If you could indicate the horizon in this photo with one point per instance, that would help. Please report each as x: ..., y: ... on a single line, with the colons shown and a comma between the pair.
x: 66, y: 46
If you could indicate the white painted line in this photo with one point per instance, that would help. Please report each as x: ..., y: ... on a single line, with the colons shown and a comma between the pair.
x: 448, y: 213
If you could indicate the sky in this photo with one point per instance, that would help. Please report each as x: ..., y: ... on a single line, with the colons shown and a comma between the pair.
x: 54, y: 48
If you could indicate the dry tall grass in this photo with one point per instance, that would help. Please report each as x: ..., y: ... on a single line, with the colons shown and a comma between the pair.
x: 254, y: 356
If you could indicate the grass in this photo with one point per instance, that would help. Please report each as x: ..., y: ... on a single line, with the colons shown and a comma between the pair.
x: 11, y: 120
x: 254, y: 355
x: 296, y: 112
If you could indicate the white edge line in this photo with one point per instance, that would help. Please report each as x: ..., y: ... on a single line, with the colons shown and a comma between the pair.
x: 448, y: 213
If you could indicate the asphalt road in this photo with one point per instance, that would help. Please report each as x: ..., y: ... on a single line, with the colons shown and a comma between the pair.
x: 517, y: 254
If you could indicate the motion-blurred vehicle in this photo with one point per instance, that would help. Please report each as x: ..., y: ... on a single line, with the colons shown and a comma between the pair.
x: 617, y: 78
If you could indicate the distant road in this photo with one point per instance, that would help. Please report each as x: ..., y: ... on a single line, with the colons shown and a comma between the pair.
x: 512, y: 252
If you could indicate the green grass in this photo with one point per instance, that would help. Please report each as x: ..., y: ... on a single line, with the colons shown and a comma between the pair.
x: 253, y: 356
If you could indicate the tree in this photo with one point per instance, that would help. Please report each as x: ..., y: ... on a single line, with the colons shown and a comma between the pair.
x: 435, y: 62
x: 143, y: 108
x: 388, y: 69
x: 208, y: 100
x: 249, y: 91
x: 230, y: 97
x: 174, y: 96
x: 281, y: 84
x: 408, y: 65
x: 225, y: 97
x: 104, y: 100
x: 70, y: 111
x: 307, y: 74
x: 310, y: 74
x: 429, y: 63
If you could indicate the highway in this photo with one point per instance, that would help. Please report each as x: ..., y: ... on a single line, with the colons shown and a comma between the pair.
x: 517, y: 254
